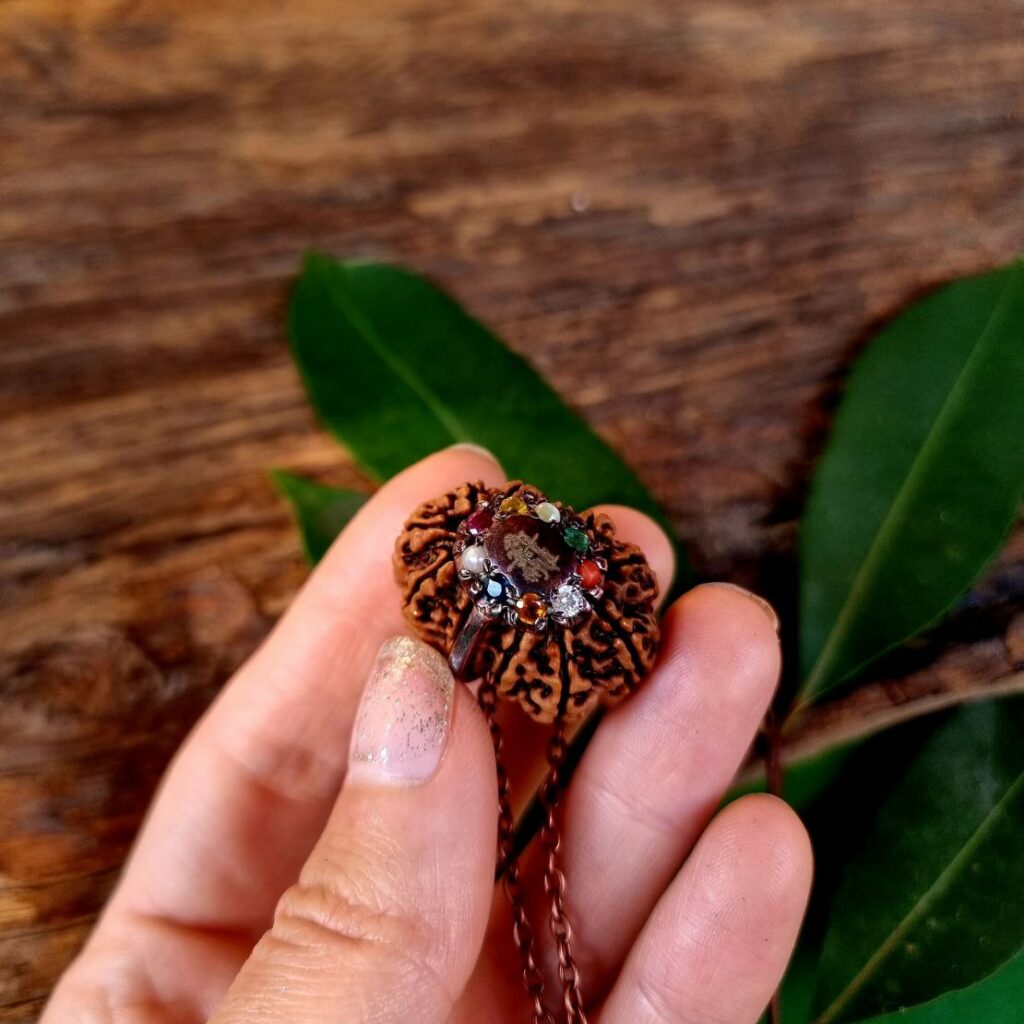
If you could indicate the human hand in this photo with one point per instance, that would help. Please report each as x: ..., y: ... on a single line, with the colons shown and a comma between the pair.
x: 276, y: 882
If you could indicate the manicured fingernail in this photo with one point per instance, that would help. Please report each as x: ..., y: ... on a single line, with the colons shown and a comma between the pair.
x: 403, y: 718
x: 759, y: 601
x: 473, y: 449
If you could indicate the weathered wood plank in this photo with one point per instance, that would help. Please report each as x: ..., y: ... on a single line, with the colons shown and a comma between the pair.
x: 688, y: 215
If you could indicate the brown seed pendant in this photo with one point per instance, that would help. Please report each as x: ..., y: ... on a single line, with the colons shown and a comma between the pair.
x: 547, y: 608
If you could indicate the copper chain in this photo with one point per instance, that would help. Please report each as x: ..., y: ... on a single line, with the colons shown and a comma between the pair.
x: 554, y: 879
x: 508, y: 866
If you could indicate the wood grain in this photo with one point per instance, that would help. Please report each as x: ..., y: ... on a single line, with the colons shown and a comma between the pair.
x: 689, y: 215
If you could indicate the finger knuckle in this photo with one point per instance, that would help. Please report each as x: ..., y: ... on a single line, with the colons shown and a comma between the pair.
x: 654, y: 1002
x: 664, y: 1004
x: 335, y: 915
x: 621, y: 802
x: 347, y: 925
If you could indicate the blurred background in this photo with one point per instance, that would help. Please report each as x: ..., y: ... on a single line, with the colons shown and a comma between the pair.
x: 689, y: 216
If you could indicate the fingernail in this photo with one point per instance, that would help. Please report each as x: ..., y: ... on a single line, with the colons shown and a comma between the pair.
x: 473, y: 449
x: 750, y: 596
x: 403, y: 717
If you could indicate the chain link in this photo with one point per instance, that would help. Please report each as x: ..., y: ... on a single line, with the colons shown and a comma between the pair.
x: 554, y: 879
x: 508, y: 866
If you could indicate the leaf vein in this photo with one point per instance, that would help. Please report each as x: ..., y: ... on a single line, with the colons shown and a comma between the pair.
x: 860, y: 588
x: 942, y: 882
x: 350, y: 309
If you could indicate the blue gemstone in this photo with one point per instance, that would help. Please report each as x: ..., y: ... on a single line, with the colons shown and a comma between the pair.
x: 494, y: 588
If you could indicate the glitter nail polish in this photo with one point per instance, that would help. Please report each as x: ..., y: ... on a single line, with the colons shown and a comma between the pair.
x: 403, y: 717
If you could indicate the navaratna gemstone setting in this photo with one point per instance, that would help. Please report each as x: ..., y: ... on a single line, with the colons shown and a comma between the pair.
x: 522, y: 558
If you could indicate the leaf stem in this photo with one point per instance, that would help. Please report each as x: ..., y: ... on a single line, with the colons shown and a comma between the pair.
x: 773, y: 769
x: 775, y: 783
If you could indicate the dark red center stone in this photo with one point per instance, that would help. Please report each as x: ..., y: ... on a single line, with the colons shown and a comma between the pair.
x: 530, y: 553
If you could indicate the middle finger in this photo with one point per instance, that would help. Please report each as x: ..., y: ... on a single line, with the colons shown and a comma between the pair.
x: 657, y: 767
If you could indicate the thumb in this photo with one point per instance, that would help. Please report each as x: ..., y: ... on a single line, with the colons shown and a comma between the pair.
x: 388, y: 916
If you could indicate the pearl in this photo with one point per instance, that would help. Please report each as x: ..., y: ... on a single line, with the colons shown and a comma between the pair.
x: 472, y: 559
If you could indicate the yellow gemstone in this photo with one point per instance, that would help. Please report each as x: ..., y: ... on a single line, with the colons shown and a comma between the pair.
x: 514, y: 506
x: 532, y: 608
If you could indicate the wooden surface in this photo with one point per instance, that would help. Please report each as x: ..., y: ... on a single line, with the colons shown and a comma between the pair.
x: 717, y: 199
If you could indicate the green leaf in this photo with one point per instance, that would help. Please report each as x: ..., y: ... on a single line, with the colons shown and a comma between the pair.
x: 396, y: 370
x: 921, y: 478
x: 320, y: 512
x: 998, y: 999
x: 933, y: 898
x: 805, y: 778
x: 798, y: 986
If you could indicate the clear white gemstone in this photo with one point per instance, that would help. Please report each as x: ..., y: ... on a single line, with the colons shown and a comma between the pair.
x: 568, y: 601
x: 472, y: 559
x: 547, y: 512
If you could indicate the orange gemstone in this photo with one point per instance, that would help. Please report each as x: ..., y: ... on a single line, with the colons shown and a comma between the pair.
x: 532, y: 608
x: 514, y: 505
x: 590, y: 574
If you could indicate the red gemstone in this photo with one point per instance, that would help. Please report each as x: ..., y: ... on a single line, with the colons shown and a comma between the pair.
x: 480, y: 520
x: 590, y: 574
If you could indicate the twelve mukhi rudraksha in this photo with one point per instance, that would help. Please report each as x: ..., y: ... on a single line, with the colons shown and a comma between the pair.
x: 523, y: 591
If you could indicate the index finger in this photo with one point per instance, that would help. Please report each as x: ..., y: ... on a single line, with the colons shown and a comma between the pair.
x: 251, y: 788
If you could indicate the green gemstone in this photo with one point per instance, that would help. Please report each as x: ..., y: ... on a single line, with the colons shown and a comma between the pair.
x: 576, y: 539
